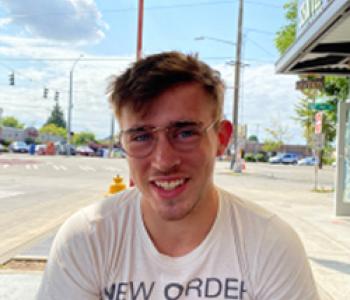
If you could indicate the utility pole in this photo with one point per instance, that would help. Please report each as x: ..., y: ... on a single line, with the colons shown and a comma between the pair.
x: 235, y: 160
x: 139, y: 31
x: 70, y: 105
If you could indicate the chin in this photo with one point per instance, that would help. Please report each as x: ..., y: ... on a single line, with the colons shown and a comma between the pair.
x: 174, y: 213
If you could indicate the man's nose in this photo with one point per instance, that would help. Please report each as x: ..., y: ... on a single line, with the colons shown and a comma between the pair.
x: 165, y: 157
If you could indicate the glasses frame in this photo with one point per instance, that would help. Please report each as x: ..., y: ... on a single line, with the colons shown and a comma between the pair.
x: 165, y: 128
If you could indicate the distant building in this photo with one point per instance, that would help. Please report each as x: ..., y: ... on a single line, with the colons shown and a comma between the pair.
x: 15, y: 134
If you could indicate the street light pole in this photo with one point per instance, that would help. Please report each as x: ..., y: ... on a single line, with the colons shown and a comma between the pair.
x: 235, y: 164
x: 70, y: 105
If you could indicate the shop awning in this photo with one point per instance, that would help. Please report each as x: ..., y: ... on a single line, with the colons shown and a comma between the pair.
x: 324, y: 46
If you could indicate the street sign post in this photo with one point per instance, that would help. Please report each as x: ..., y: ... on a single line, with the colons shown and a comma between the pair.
x: 318, y: 141
x: 311, y: 84
x: 321, y: 106
x: 318, y: 122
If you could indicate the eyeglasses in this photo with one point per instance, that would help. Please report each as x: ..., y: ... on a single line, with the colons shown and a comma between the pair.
x: 182, y: 135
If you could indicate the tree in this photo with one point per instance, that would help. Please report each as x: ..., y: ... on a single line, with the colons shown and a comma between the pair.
x: 278, y: 132
x: 278, y: 135
x: 11, y: 122
x: 83, y: 138
x: 271, y: 146
x: 286, y: 36
x: 54, y: 130
x: 253, y: 138
x: 56, y: 117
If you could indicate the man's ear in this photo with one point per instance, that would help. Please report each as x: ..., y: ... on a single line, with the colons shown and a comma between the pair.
x: 224, y: 136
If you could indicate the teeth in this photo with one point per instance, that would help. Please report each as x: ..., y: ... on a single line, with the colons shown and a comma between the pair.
x: 169, y: 185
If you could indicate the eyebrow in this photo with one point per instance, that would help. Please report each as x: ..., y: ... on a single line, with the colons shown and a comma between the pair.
x: 184, y: 123
x: 177, y: 124
x: 138, y: 129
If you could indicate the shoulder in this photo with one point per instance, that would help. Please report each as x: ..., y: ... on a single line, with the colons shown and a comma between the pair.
x: 273, y: 255
x: 100, y: 219
x: 244, y: 211
x: 255, y: 224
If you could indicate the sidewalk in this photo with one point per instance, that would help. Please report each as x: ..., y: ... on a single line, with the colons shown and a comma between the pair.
x: 326, y: 238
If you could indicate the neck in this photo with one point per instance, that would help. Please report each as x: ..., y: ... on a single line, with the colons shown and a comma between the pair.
x: 179, y: 237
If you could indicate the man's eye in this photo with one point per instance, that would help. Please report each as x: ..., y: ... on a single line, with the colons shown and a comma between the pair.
x: 140, y: 137
x: 186, y: 133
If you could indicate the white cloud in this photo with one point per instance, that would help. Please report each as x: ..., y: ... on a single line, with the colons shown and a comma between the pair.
x: 5, y: 21
x: 61, y: 20
x: 265, y: 97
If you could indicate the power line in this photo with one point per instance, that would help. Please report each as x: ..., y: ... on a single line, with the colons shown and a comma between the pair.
x: 250, y: 29
x: 156, y: 7
x: 65, y: 59
x: 259, y: 46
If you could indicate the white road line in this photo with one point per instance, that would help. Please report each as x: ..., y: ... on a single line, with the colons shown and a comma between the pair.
x: 112, y: 169
x: 87, y: 168
x: 28, y: 167
x: 35, y: 167
x: 6, y: 194
x: 59, y: 168
x: 5, y: 166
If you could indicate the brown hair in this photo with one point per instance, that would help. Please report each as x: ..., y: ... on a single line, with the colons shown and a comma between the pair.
x: 150, y: 77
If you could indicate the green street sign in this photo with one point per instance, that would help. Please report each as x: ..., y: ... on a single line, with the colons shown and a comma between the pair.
x: 321, y: 106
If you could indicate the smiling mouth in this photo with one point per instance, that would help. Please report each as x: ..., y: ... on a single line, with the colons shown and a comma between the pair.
x: 170, y: 184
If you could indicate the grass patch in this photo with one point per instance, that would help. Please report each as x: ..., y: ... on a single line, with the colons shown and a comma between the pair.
x: 322, y: 190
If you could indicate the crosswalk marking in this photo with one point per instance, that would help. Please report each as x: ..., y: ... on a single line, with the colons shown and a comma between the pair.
x: 112, y: 169
x: 87, y: 168
x: 5, y: 166
x: 58, y: 168
x: 7, y: 194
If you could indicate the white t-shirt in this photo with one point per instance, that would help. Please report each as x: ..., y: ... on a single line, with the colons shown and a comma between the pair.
x: 104, y: 252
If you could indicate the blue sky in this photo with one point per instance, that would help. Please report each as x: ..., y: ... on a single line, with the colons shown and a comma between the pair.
x: 40, y: 39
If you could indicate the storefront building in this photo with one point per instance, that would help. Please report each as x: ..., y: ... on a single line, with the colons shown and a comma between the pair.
x: 322, y: 47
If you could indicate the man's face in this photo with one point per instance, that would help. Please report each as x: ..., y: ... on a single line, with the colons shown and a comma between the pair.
x: 175, y: 184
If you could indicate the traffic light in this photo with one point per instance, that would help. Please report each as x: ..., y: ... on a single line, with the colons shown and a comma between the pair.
x: 12, y: 78
x: 57, y: 95
x: 45, y: 93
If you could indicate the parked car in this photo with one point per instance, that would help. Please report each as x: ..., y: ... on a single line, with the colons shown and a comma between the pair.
x: 40, y: 149
x: 19, y: 147
x: 62, y: 148
x: 85, y: 150
x: 284, y: 158
x: 118, y: 153
x: 307, y: 161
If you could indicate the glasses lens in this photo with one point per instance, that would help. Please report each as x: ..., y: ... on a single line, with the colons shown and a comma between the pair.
x: 137, y: 143
x: 185, y: 137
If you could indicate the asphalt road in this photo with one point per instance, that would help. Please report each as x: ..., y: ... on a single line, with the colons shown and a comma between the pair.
x: 37, y: 193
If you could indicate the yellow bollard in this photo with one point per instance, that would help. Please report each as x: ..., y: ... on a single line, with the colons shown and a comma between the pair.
x: 117, y: 185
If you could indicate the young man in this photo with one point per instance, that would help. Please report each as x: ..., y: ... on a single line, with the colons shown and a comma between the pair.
x: 176, y: 235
